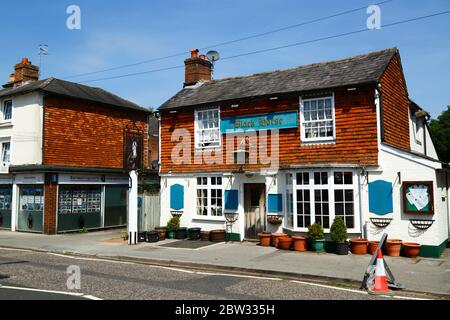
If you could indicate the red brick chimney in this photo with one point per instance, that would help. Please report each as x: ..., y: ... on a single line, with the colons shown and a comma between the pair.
x: 25, y: 72
x: 197, y: 69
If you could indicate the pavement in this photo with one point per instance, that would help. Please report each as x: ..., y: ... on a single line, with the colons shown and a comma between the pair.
x: 424, y: 275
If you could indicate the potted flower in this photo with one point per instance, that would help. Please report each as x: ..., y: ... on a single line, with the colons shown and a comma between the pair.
x: 172, y: 226
x: 338, y: 233
x: 316, y: 237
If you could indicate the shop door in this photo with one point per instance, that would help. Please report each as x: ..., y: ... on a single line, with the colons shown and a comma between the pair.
x: 255, y: 209
x: 5, y: 207
x: 31, y: 209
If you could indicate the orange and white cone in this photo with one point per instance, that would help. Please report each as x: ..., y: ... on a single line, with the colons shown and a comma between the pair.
x: 381, y: 286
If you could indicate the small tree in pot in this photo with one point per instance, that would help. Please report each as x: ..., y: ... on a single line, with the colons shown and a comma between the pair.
x: 316, y: 237
x: 338, y: 233
x: 172, y: 226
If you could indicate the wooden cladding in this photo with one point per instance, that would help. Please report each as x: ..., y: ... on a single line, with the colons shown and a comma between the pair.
x: 356, y: 136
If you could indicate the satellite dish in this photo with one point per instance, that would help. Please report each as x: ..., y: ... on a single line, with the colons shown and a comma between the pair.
x: 213, y: 56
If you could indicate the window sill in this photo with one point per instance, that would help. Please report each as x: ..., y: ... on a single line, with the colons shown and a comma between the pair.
x: 317, y: 142
x: 6, y: 124
x: 209, y: 218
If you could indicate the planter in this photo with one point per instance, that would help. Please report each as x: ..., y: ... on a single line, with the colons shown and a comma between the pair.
x: 284, y: 243
x: 152, y: 236
x: 181, y: 234
x: 162, y: 233
x: 373, y: 245
x: 341, y: 249
x: 142, y: 236
x: 330, y: 247
x: 393, y: 247
x: 275, y: 237
x: 265, y: 239
x: 171, y: 234
x: 204, y: 235
x: 217, y: 235
x: 411, y: 249
x: 317, y: 245
x: 299, y: 244
x: 358, y: 246
x: 194, y: 233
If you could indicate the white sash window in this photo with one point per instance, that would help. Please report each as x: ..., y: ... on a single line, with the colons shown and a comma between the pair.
x: 207, y: 128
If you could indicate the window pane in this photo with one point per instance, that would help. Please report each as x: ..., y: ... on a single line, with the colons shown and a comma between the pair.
x: 339, y: 195
x: 317, y: 178
x: 349, y: 195
x: 338, y: 179
x: 339, y: 209
x: 348, y: 178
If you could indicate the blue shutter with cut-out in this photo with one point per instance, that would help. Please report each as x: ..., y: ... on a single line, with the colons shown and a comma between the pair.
x: 275, y: 203
x: 231, y: 200
x: 380, y: 197
x: 177, y: 197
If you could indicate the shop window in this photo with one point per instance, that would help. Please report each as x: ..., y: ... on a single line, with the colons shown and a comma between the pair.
x: 317, y: 116
x: 289, y: 201
x: 209, y: 196
x: 207, y: 128
x: 329, y: 194
x: 7, y: 110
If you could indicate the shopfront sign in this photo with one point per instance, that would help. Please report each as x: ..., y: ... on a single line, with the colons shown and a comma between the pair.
x: 269, y: 121
x: 92, y: 179
x: 29, y: 179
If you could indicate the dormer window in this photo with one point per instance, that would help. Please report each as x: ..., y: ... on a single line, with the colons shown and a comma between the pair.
x: 317, y: 119
x: 207, y: 128
x: 7, y: 110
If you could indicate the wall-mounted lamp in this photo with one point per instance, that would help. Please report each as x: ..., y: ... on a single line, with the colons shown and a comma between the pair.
x: 399, y: 177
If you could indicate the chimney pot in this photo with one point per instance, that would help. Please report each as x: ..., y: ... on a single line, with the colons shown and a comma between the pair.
x: 203, y: 57
x: 194, y: 53
x: 26, y: 61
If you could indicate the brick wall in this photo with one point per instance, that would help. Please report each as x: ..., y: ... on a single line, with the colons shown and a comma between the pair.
x: 87, y: 134
x: 50, y: 206
x: 356, y: 133
x: 395, y: 106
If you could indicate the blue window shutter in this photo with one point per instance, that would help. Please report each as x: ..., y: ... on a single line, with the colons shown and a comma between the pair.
x: 275, y: 203
x: 177, y: 197
x: 380, y: 197
x: 231, y: 200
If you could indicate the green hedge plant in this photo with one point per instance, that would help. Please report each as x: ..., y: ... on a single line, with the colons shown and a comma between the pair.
x: 174, y: 223
x: 338, y: 231
x: 315, y: 232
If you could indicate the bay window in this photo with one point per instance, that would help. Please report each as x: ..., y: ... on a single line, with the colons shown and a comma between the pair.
x: 322, y: 195
x: 317, y: 119
x: 207, y: 128
x: 209, y: 197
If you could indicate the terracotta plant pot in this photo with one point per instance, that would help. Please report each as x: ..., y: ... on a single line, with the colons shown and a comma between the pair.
x: 358, y: 246
x: 393, y: 247
x: 217, y: 235
x: 411, y: 249
x: 373, y: 245
x: 162, y: 233
x: 284, y: 243
x: 205, y: 235
x: 299, y: 244
x: 265, y: 239
x: 275, y: 237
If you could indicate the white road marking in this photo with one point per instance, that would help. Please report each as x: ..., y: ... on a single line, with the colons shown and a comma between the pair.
x: 75, y: 294
x: 88, y: 259
x: 12, y: 249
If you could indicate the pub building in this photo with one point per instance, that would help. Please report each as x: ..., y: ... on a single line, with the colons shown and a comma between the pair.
x: 304, y: 145
x: 64, y: 159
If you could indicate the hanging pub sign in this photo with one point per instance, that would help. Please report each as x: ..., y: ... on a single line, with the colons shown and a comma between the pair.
x: 418, y: 197
x: 133, y: 150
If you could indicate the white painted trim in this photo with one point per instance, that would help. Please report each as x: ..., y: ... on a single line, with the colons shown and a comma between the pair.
x: 405, y: 155
x: 196, y: 129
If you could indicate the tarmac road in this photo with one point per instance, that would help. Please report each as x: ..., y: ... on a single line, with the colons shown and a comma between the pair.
x: 124, y: 281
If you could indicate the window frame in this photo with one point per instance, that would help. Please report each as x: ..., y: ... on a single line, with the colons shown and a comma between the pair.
x: 209, y: 187
x: 197, y: 129
x: 3, y: 151
x: 4, y: 101
x: 331, y: 187
x: 302, y: 120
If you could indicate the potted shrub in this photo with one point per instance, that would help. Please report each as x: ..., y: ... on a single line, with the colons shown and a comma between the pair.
x: 264, y: 239
x: 316, y: 237
x: 411, y: 250
x: 172, y: 226
x: 358, y: 246
x: 393, y: 247
x: 299, y: 243
x: 338, y: 233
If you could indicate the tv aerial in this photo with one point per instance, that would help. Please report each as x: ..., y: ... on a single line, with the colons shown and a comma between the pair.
x: 43, y: 51
x: 212, y: 57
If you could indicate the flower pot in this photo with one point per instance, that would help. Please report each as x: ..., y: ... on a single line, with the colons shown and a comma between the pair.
x: 373, y: 245
x: 411, y: 249
x: 330, y: 247
x: 275, y: 237
x: 393, y: 247
x: 162, y: 233
x: 142, y: 236
x: 152, y: 236
x: 194, y: 233
x: 317, y: 245
x: 341, y: 248
x: 217, y: 235
x: 264, y: 239
x: 358, y: 246
x: 284, y: 243
x: 204, y: 235
x: 299, y: 244
x: 171, y: 234
x: 181, y: 234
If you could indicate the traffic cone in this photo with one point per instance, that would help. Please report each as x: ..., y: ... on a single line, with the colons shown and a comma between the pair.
x: 381, y: 286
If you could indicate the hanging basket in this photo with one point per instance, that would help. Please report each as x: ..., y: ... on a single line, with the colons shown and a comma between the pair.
x: 176, y: 213
x: 421, y: 224
x: 275, y: 220
x: 231, y: 217
x: 381, y: 222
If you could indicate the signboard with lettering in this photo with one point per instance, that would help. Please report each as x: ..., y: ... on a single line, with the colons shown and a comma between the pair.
x: 269, y: 121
